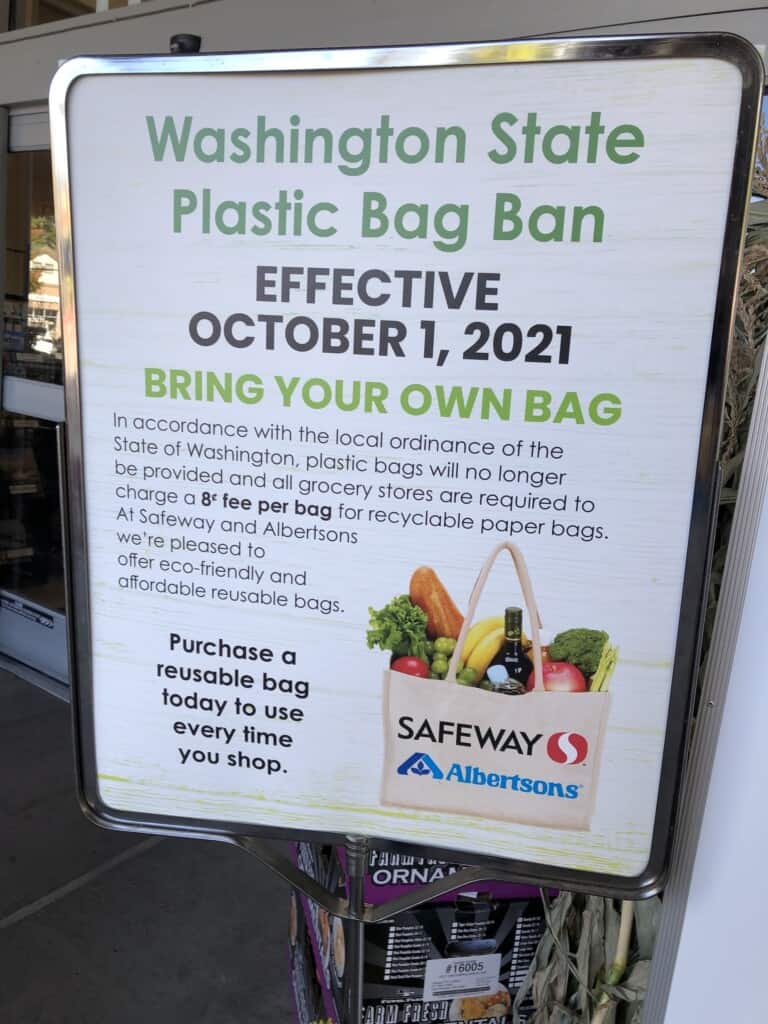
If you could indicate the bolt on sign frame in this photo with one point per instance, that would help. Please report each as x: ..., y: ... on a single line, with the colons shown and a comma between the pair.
x: 709, y: 67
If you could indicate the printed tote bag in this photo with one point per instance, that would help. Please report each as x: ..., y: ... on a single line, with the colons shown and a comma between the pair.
x: 533, y: 759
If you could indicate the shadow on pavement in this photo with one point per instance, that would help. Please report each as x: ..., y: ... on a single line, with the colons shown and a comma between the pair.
x: 102, y: 927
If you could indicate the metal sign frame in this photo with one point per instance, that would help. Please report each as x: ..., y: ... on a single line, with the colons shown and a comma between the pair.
x: 728, y: 48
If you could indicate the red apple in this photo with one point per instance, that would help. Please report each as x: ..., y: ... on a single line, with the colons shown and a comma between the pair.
x: 560, y: 677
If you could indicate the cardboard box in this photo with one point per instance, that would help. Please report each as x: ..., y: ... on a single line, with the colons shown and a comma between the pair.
x: 474, y: 945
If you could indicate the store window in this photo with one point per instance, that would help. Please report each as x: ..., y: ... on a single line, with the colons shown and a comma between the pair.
x: 32, y: 345
x: 26, y: 13
x: 31, y: 565
x: 30, y: 517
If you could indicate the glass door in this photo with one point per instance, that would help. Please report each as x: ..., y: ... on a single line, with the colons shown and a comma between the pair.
x: 32, y: 623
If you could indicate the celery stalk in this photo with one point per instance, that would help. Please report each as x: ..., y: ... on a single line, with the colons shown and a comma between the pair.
x: 604, y: 670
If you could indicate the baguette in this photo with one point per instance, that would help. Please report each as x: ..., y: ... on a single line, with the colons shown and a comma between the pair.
x: 443, y: 617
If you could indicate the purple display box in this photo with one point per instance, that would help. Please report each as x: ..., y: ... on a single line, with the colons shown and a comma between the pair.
x: 504, y: 915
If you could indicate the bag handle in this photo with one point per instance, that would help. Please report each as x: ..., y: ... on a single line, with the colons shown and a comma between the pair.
x: 530, y: 604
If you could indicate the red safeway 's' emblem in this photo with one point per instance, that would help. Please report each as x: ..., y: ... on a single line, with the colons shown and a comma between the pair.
x: 567, y: 747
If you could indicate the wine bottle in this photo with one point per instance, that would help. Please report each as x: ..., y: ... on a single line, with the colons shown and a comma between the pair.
x: 511, y: 659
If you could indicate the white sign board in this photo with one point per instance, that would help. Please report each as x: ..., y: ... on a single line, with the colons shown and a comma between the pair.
x: 343, y: 329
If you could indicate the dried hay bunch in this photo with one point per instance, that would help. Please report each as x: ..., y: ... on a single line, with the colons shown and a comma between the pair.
x: 750, y: 329
x: 592, y: 964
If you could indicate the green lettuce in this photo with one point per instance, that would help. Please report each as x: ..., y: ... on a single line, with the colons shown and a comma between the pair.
x: 399, y: 627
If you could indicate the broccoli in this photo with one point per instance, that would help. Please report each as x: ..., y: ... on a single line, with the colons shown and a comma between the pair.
x: 581, y: 647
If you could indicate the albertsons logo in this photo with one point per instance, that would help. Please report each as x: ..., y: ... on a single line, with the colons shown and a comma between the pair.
x: 423, y: 766
x: 420, y: 764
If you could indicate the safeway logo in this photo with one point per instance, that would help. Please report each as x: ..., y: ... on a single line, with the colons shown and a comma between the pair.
x: 567, y: 748
x: 420, y: 764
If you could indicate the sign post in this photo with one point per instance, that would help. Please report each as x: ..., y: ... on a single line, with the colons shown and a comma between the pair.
x: 379, y: 362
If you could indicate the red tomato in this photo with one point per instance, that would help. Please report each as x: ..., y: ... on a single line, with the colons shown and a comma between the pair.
x: 560, y: 677
x: 411, y: 666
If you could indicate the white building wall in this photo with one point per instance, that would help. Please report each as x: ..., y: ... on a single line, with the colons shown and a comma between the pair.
x: 29, y: 58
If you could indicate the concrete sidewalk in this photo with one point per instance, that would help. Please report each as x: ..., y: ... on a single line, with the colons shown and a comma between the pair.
x: 102, y: 927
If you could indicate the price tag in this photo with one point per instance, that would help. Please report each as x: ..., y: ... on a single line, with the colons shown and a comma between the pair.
x: 461, y: 976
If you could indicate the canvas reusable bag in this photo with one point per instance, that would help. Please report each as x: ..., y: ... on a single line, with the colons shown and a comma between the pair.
x: 532, y: 759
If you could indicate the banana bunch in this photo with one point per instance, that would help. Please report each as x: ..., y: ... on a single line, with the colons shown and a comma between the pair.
x: 484, y: 641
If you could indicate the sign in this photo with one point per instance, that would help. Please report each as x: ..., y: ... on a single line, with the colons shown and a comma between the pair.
x: 366, y: 347
x: 462, y: 976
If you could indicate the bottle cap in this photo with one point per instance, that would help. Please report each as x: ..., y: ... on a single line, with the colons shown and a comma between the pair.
x: 513, y: 620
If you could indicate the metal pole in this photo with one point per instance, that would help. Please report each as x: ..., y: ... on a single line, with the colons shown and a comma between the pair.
x: 357, y: 863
